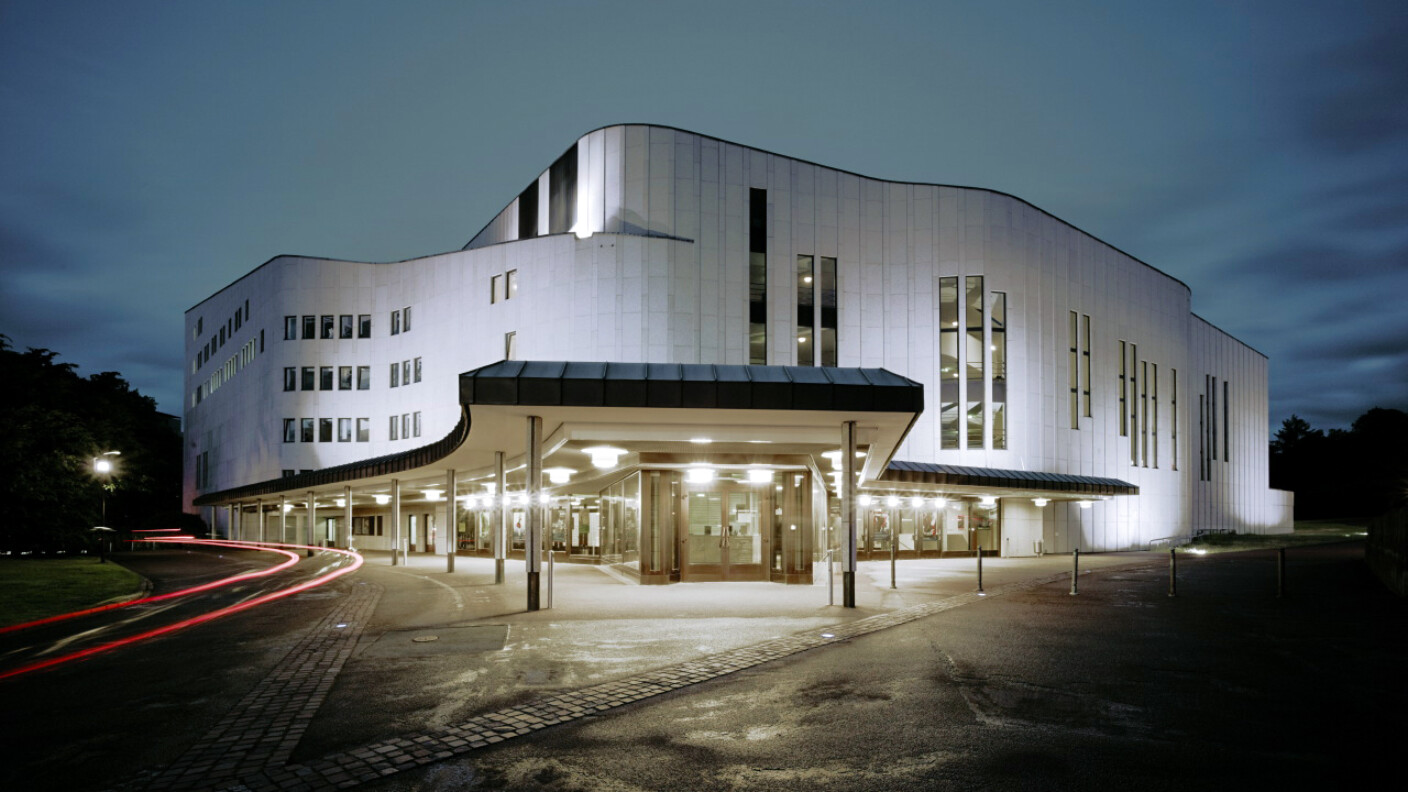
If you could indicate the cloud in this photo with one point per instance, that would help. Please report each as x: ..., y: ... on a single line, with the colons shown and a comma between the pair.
x: 1356, y: 91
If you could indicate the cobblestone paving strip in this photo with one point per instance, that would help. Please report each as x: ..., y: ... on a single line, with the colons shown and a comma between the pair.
x: 368, y: 763
x: 262, y: 730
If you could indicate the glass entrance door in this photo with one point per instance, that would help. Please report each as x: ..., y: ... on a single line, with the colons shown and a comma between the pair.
x: 726, y: 535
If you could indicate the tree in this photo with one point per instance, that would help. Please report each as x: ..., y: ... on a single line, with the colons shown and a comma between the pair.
x: 1361, y: 472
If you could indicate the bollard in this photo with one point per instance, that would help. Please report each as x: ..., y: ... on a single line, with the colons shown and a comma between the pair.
x: 1075, y: 570
x: 1172, y: 573
x: 980, y: 570
x: 1280, y: 572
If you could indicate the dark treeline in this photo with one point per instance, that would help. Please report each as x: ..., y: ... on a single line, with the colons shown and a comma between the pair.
x: 54, y: 424
x: 1362, y: 472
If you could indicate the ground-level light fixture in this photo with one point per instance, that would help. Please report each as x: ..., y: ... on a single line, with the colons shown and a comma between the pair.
x: 604, y: 456
x: 559, y: 475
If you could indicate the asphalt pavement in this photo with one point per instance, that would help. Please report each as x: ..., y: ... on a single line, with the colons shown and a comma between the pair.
x: 406, y: 677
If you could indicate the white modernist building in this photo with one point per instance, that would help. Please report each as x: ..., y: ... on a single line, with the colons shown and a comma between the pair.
x: 693, y: 330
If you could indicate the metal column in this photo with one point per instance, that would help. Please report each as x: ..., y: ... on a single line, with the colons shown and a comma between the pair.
x: 259, y: 506
x: 283, y: 519
x: 499, y: 522
x: 344, y: 540
x: 395, y: 522
x: 452, y: 518
x: 533, y: 536
x: 848, y: 513
x: 312, y: 522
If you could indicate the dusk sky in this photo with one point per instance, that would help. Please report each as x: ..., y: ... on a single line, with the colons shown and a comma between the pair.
x: 153, y: 152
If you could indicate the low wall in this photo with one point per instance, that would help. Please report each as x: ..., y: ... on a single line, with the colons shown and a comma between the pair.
x: 1387, y: 550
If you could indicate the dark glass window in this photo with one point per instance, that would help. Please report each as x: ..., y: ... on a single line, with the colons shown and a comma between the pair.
x: 290, y: 430
x: 406, y: 319
x: 325, y: 378
x: 222, y: 337
x: 415, y: 424
x: 395, y: 374
x: 973, y: 357
x: 1073, y: 364
x: 364, y: 377
x: 310, y: 328
x: 344, y: 378
x: 290, y: 378
x: 395, y: 323
x: 827, y: 298
x: 364, y: 325
x: 306, y: 429
x: 395, y: 428
x: 328, y: 326
x: 997, y: 320
x: 562, y: 193
x: 405, y: 372
x: 948, y: 362
x: 806, y: 311
x: 417, y: 369
x: 308, y: 378
x: 528, y: 212
x: 364, y: 429
x: 344, y: 326
x: 758, y: 277
x: 324, y: 430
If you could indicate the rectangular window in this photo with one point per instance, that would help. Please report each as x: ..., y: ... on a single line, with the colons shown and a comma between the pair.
x: 246, y: 310
x: 308, y: 378
x: 405, y: 372
x: 511, y: 284
x: 406, y: 426
x: 1154, y: 418
x: 827, y: 298
x: 395, y: 323
x: 344, y: 326
x: 364, y: 430
x: 395, y: 374
x: 290, y: 378
x: 324, y: 430
x: 325, y: 378
x: 344, y: 430
x: 806, y: 311
x: 364, y: 377
x: 306, y: 430
x: 562, y: 193
x: 395, y: 428
x: 1074, y: 361
x: 1202, y: 437
x: 1226, y: 440
x: 1085, y: 365
x: 344, y: 378
x: 1144, y: 412
x: 511, y: 345
x: 757, y: 277
x: 310, y: 328
x: 364, y: 325
x: 1173, y: 416
x: 528, y: 211
x: 496, y: 286
x: 973, y: 360
x: 1124, y: 416
x: 1212, y: 417
x: 948, y: 363
x: 328, y: 326
x: 415, y: 424
x: 998, y: 328
x: 238, y: 320
x: 416, y: 369
x: 406, y: 319
x: 286, y: 473
x: 222, y: 337
x: 1133, y: 404
x: 290, y: 430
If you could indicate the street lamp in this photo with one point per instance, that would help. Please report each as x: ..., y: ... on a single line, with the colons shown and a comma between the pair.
x: 103, y: 465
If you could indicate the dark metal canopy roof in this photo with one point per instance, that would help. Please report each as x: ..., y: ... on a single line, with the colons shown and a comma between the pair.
x: 901, y: 472
x: 691, y: 385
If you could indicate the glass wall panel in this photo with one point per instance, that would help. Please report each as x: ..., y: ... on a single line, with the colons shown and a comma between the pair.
x: 757, y: 277
x: 998, y: 320
x: 806, y: 312
x: 948, y: 362
x: 973, y: 309
x: 828, y: 311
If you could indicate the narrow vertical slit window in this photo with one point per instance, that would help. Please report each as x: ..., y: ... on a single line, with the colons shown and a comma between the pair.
x: 1226, y: 441
x: 806, y: 311
x: 948, y: 362
x: 1133, y: 404
x: 1085, y: 365
x: 1212, y: 417
x: 1124, y: 384
x: 511, y: 345
x: 1202, y: 438
x: 758, y: 277
x: 1154, y: 418
x: 826, y: 295
x: 1173, y: 416
x: 973, y: 310
x: 1144, y: 412
x: 1074, y: 366
x: 998, y: 321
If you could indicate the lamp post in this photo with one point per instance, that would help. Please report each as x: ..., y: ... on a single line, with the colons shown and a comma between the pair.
x: 103, y: 466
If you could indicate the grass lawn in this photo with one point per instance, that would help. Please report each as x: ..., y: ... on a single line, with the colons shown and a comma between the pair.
x: 1306, y: 532
x: 32, y: 588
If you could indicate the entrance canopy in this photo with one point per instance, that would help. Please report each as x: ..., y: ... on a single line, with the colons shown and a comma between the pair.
x: 961, y: 479
x: 635, y: 414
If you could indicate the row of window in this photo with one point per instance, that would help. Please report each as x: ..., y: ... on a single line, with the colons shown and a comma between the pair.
x: 1139, y: 407
x: 1207, y: 426
x: 232, y: 366
x: 217, y: 340
x: 328, y: 326
x: 347, y: 430
x: 965, y: 370
x: 321, y: 378
x: 405, y: 372
x: 503, y: 287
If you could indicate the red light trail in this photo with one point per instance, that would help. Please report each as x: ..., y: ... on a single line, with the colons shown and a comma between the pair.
x: 355, y: 564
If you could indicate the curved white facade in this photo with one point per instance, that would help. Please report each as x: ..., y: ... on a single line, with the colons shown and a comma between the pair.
x: 641, y: 253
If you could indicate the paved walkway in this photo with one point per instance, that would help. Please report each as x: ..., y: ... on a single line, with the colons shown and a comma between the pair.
x: 250, y: 749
